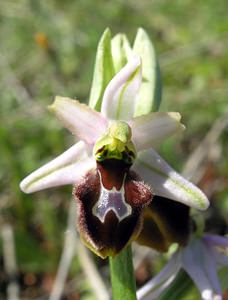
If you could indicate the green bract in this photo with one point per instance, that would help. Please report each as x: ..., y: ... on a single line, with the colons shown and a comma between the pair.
x: 151, y: 89
x: 112, y: 55
x: 103, y: 70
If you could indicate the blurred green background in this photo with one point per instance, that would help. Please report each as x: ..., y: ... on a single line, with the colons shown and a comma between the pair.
x: 47, y: 48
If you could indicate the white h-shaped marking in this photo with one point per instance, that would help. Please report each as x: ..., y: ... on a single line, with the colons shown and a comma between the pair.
x: 111, y: 200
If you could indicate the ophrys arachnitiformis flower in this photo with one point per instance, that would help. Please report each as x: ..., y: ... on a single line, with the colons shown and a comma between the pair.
x: 114, y: 169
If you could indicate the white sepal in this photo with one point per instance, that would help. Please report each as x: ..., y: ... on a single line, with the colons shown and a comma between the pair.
x: 166, y: 182
x: 67, y: 168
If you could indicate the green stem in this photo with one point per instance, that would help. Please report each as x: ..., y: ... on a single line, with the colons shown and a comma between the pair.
x: 122, y: 276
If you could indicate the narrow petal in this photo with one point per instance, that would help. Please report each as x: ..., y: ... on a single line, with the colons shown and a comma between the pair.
x: 166, y: 182
x: 194, y: 262
x: 216, y: 240
x: 210, y: 266
x: 121, y: 93
x: 85, y: 123
x: 67, y: 168
x: 151, y: 129
x: 170, y: 270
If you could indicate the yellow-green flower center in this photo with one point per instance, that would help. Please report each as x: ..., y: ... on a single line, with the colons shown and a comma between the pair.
x: 116, y: 144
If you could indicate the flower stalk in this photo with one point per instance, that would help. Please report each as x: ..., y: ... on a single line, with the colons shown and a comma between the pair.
x: 122, y: 275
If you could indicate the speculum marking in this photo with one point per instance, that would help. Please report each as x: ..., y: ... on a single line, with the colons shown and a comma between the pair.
x: 111, y: 200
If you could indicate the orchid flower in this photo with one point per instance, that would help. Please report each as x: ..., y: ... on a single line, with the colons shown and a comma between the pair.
x: 113, y: 167
x: 200, y: 259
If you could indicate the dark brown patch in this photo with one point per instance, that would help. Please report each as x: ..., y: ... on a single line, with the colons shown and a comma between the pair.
x: 137, y: 193
x: 167, y: 221
x: 111, y: 236
x: 112, y: 172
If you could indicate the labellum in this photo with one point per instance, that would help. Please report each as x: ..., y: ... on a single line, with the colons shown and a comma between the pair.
x: 110, y: 201
x: 165, y: 222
